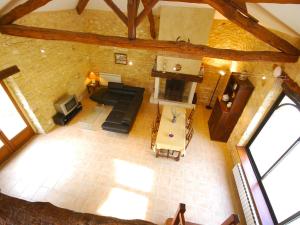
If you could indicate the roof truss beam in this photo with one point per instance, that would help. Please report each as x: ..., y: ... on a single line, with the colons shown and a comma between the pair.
x: 147, y: 9
x: 22, y: 10
x: 252, y: 26
x: 81, y: 6
x: 176, y: 49
x: 118, y: 11
x: 132, y: 8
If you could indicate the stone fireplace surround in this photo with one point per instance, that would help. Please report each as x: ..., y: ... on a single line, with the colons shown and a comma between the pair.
x: 183, y: 97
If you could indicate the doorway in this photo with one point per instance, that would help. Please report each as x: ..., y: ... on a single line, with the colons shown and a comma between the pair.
x: 14, y: 128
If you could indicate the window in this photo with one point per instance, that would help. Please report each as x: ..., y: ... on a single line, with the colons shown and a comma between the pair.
x: 274, y: 152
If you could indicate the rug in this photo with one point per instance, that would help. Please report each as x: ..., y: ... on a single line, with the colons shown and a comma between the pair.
x: 92, y: 118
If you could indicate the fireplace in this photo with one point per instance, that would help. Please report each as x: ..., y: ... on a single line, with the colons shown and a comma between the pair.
x: 174, y: 89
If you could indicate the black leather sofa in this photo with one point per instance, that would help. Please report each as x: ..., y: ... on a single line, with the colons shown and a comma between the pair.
x: 126, y: 101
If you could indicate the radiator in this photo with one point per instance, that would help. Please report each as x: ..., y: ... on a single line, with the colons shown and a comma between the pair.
x: 245, y: 195
x: 109, y: 77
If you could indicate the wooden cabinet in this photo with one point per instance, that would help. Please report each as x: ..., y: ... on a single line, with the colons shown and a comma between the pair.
x: 223, y: 119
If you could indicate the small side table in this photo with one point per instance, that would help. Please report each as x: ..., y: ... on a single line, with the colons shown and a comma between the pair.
x: 92, y: 86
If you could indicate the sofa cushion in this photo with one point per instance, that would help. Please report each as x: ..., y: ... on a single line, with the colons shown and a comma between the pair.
x: 114, y: 85
x: 126, y: 98
x: 110, y: 98
x: 121, y: 106
x: 115, y: 117
x: 130, y: 114
x: 120, y: 128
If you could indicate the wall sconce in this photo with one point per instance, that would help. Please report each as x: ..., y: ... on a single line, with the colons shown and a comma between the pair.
x: 177, y: 67
x: 278, y: 72
x: 130, y: 63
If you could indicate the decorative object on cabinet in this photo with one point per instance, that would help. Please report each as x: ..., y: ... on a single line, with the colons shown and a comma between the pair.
x: 225, y: 114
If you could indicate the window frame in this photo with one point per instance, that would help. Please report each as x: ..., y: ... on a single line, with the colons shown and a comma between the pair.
x: 257, y: 174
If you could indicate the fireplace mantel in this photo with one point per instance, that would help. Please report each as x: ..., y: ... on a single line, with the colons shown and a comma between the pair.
x: 178, y: 76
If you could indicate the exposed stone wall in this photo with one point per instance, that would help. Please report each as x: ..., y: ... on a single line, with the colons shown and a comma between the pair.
x: 227, y: 35
x: 44, y: 77
x: 63, y: 67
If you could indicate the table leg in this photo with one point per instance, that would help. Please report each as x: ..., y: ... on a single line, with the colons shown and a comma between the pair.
x: 178, y: 157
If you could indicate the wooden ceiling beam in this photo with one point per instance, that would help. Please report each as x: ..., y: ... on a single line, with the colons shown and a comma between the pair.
x: 147, y: 9
x: 131, y: 13
x: 249, y: 24
x: 170, y: 48
x: 81, y: 6
x: 116, y: 9
x: 8, y: 72
x: 151, y: 20
x: 22, y: 10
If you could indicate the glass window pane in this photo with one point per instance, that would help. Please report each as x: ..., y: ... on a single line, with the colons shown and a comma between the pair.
x: 295, y: 222
x: 11, y: 123
x: 283, y: 184
x: 280, y: 131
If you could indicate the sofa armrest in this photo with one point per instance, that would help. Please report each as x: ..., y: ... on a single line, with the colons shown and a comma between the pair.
x: 99, y: 94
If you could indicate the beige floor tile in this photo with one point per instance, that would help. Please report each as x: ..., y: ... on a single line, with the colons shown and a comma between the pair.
x: 95, y: 171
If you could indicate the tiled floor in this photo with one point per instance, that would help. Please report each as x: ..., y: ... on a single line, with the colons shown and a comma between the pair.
x: 118, y: 175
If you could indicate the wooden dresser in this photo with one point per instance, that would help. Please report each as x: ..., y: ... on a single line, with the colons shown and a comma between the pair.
x: 223, y: 119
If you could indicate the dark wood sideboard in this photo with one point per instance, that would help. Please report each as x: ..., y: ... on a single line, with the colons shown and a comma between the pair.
x: 223, y: 119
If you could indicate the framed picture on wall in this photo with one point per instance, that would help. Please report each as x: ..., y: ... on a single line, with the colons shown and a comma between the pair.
x: 120, y: 58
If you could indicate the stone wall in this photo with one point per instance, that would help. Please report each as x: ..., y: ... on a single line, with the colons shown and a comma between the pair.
x: 63, y: 66
x: 50, y: 69
x: 227, y: 35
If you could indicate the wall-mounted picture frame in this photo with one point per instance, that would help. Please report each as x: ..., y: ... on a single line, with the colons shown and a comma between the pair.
x: 120, y: 58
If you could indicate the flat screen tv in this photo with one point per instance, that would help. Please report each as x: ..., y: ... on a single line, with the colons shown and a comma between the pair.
x: 66, y: 104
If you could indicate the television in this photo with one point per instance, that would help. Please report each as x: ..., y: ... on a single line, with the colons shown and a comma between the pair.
x: 66, y: 104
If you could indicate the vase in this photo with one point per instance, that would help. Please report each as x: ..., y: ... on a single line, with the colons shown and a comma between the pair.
x: 174, y: 119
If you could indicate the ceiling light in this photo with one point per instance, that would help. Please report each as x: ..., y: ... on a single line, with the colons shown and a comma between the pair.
x: 222, y: 72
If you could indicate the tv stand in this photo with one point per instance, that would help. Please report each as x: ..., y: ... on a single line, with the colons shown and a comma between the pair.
x: 61, y: 119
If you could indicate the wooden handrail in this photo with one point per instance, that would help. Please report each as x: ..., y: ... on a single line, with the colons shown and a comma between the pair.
x: 180, y: 220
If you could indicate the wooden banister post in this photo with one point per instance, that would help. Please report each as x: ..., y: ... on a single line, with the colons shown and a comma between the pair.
x: 179, y: 216
x: 232, y: 220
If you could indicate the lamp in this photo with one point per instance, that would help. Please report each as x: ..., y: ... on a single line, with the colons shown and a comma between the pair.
x: 221, y: 74
x: 92, y: 78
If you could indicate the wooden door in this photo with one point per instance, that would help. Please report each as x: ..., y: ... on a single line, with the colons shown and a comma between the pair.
x: 14, y: 129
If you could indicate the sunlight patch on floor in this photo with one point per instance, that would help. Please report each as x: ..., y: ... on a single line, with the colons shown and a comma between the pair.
x: 124, y: 204
x: 133, y: 176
